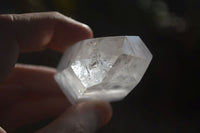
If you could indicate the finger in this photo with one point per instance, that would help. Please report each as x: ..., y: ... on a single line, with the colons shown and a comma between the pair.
x: 30, y: 94
x: 36, y: 31
x: 30, y: 111
x: 81, y: 118
x: 26, y: 80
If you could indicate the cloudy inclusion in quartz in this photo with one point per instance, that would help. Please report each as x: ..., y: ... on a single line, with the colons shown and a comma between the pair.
x: 91, y: 72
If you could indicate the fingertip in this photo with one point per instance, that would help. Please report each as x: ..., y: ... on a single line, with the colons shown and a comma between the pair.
x: 88, y: 31
x: 81, y: 28
x: 84, y: 117
x: 67, y: 32
x: 106, y: 112
x: 102, y: 109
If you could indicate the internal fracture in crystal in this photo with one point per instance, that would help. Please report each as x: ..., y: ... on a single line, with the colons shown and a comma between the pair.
x: 103, y: 68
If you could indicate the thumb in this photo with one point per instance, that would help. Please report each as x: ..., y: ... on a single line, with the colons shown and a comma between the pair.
x: 81, y: 118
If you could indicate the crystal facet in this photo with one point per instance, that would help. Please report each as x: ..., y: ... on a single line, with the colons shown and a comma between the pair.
x: 105, y: 68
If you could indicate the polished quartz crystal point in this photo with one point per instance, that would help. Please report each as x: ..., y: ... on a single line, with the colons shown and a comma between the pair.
x: 105, y: 68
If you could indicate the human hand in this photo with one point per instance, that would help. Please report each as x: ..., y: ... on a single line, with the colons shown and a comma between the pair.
x: 29, y: 94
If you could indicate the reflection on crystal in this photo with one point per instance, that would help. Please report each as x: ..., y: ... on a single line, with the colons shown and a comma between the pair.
x: 103, y: 68
x: 91, y: 72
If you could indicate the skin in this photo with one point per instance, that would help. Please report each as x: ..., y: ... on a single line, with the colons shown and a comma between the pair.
x: 29, y: 94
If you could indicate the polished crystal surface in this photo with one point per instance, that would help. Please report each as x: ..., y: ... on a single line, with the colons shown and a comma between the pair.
x: 105, y: 68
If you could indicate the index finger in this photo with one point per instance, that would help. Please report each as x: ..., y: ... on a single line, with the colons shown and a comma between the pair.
x: 36, y: 31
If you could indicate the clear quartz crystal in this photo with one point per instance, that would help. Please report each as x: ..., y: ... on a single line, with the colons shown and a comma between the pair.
x: 105, y: 68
